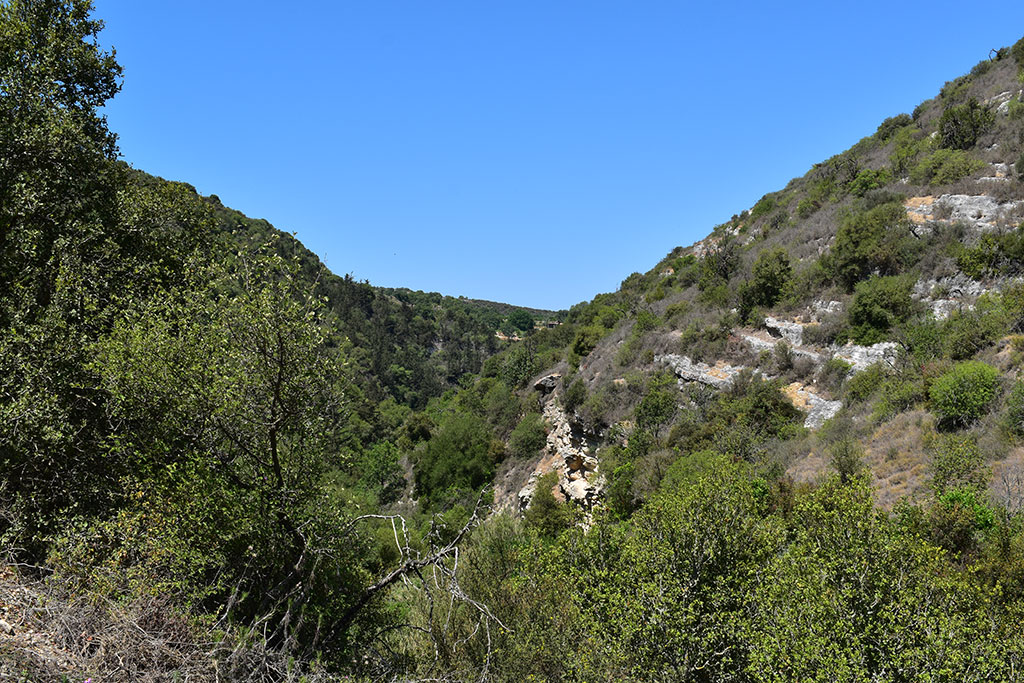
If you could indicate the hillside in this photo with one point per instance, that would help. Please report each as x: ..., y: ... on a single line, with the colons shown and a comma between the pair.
x: 790, y: 451
x: 854, y: 288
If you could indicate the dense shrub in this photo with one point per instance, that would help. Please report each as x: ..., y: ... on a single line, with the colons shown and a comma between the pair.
x: 546, y: 514
x: 1015, y: 409
x: 868, y: 180
x: 965, y: 333
x: 892, y: 124
x: 879, y: 304
x: 944, y: 166
x: 876, y: 240
x: 962, y: 395
x: 574, y: 396
x: 863, y: 385
x: 769, y: 282
x: 529, y: 436
x: 459, y: 456
x: 961, y: 126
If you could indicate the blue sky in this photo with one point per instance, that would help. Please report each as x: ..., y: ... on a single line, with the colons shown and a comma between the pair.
x: 528, y: 152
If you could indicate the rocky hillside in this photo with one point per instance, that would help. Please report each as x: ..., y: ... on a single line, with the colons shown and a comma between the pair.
x: 852, y: 290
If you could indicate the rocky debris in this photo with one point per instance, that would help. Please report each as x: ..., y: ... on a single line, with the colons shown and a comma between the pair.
x: 567, y: 453
x: 863, y: 357
x: 793, y: 332
x: 720, y: 375
x: 821, y: 307
x: 547, y: 384
x: 817, y: 408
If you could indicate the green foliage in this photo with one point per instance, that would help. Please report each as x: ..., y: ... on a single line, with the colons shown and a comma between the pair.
x: 868, y: 180
x: 770, y: 281
x: 1017, y: 52
x: 847, y: 458
x: 863, y: 385
x: 658, y: 405
x: 909, y: 143
x: 965, y: 333
x: 1015, y: 409
x: 891, y: 125
x: 574, y: 396
x: 960, y: 126
x: 546, y: 514
x: 962, y: 395
x: 521, y: 320
x: 944, y: 166
x: 879, y: 304
x: 876, y: 240
x: 458, y: 458
x: 993, y: 254
x: 763, y: 207
x: 957, y: 463
x: 719, y: 263
x: 586, y: 339
x: 529, y: 436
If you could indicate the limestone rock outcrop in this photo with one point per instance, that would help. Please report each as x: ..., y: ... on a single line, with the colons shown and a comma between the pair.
x: 568, y: 453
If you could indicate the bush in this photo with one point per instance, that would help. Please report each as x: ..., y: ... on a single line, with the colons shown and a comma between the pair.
x: 545, y: 514
x: 769, y: 282
x: 962, y: 395
x: 892, y: 124
x: 876, y: 240
x: 847, y: 458
x: 966, y: 332
x: 529, y: 436
x: 957, y: 463
x: 868, y: 180
x: 863, y: 385
x: 879, y: 304
x: 944, y: 166
x: 1015, y: 409
x: 575, y: 395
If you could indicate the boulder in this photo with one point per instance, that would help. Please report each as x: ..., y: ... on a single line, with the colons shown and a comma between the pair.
x: 547, y: 384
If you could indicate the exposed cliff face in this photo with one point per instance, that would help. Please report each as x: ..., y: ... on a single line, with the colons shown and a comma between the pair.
x: 571, y: 455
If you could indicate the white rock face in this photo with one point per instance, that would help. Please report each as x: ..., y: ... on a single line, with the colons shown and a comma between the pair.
x: 981, y: 211
x: 567, y: 454
x: 817, y: 408
x: 792, y: 332
x: 822, y: 307
x: 719, y: 376
x: 863, y: 357
x: 958, y: 292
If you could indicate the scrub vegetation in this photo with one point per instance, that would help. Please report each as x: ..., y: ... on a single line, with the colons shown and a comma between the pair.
x: 219, y: 461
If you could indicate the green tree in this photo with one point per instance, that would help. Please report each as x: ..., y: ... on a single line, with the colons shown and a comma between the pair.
x: 964, y: 394
x: 769, y: 282
x: 960, y: 126
x: 878, y: 240
x: 521, y: 320
x: 879, y: 304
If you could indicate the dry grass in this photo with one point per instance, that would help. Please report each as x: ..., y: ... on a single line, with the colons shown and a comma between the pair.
x: 51, y: 634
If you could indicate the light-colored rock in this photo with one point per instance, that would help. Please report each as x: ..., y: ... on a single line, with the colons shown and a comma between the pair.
x: 719, y: 375
x: 793, y: 332
x: 567, y: 454
x: 547, y: 383
x: 822, y: 307
x: 980, y: 211
x: 817, y: 408
x: 863, y: 357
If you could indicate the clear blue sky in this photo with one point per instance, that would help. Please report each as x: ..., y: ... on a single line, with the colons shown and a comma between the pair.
x: 528, y: 152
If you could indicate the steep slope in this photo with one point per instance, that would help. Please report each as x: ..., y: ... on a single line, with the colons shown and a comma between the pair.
x: 880, y: 268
